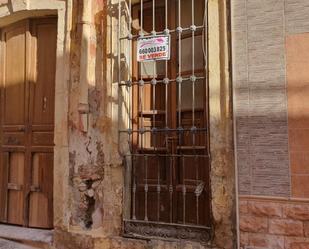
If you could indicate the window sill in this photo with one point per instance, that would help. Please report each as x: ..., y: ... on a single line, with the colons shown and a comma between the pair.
x: 154, y: 230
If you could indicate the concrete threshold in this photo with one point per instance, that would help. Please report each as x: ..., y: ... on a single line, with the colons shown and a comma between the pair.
x: 29, y: 237
x: 7, y: 244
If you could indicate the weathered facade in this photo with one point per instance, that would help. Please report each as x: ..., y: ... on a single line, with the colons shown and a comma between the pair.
x: 254, y: 66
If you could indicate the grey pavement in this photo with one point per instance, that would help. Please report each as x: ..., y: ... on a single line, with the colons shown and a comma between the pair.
x: 7, y: 244
x: 26, y: 234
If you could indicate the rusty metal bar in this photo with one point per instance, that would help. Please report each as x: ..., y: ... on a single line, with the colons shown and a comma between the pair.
x: 158, y: 190
x: 134, y: 188
x: 164, y: 81
x: 184, y: 190
x: 170, y: 31
x: 171, y: 190
x: 163, y: 130
x: 179, y: 78
x: 146, y: 187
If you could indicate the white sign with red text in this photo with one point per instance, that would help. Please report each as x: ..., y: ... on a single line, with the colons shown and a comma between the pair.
x: 153, y: 48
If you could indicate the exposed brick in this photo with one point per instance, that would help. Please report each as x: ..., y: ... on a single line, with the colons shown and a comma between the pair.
x: 297, y: 212
x: 266, y: 241
x: 306, y: 228
x: 244, y: 239
x: 265, y: 209
x: 243, y: 207
x: 296, y: 243
x: 286, y: 227
x: 299, y: 245
x: 253, y: 224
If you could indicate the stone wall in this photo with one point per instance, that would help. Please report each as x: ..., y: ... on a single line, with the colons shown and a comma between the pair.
x: 275, y: 224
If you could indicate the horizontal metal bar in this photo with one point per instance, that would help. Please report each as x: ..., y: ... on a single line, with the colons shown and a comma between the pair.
x: 146, y: 230
x: 187, y: 29
x: 156, y: 130
x: 168, y: 224
x: 168, y: 155
x: 164, y: 81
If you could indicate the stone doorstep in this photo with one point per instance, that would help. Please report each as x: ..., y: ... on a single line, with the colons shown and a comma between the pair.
x: 7, y: 244
x: 255, y: 247
x: 36, y: 238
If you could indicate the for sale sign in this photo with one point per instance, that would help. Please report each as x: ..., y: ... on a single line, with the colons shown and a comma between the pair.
x: 153, y: 48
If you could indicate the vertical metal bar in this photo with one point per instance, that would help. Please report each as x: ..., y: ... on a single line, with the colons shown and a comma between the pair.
x: 141, y: 85
x: 118, y: 43
x: 184, y: 190
x: 205, y: 51
x: 130, y: 75
x: 154, y: 114
x: 146, y: 187
x: 129, y: 82
x: 166, y: 69
x: 154, y: 109
x: 196, y: 193
x: 171, y: 186
x: 142, y: 18
x: 134, y: 188
x: 154, y: 62
x: 166, y: 80
x: 158, y: 189
x: 153, y: 133
x: 141, y: 120
x: 119, y: 89
x: 153, y: 17
x: 179, y: 63
x: 193, y: 78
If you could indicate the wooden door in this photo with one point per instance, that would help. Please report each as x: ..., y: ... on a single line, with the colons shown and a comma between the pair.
x: 28, y: 57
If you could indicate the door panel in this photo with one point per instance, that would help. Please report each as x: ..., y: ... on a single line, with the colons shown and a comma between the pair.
x: 15, y: 188
x: 15, y: 82
x: 28, y: 58
x: 41, y: 196
x: 42, y: 98
x: 4, y: 177
x: 14, y: 117
x: 44, y: 87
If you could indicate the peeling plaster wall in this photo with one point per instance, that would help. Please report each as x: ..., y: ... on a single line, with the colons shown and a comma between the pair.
x: 95, y: 164
x: 96, y: 169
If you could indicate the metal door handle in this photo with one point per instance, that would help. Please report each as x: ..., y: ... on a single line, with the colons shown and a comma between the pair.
x: 44, y: 104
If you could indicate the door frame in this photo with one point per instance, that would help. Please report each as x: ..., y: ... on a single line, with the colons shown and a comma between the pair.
x: 14, y: 11
x: 223, y: 173
x: 172, y: 103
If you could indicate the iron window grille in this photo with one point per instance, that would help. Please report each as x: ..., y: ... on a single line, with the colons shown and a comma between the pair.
x: 163, y: 109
